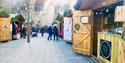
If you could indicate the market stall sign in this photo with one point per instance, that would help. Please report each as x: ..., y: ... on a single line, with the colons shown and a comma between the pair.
x: 105, y: 49
x: 120, y: 14
x: 84, y: 19
x: 67, y: 28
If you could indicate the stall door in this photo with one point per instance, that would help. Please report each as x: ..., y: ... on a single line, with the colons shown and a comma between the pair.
x: 98, y: 27
x: 82, y: 32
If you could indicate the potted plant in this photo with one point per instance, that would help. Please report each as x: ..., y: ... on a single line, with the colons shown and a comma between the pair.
x: 3, y: 13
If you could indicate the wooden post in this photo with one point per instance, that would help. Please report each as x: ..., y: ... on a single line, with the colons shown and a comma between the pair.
x: 123, y: 30
x: 124, y: 18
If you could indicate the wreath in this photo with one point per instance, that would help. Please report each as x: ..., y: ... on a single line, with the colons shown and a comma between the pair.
x: 77, y: 26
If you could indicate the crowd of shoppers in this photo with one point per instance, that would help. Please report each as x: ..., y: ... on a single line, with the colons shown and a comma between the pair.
x: 51, y: 30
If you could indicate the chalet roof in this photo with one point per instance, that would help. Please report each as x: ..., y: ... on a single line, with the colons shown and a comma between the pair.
x: 93, y: 4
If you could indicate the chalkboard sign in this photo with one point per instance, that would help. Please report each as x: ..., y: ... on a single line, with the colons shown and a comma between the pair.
x: 105, y: 49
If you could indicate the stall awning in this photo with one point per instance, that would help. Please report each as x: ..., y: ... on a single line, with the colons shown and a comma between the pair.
x: 93, y: 4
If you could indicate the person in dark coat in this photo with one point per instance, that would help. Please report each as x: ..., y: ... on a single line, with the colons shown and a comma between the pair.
x: 34, y: 32
x: 13, y: 31
x: 24, y: 32
x: 50, y: 33
x: 42, y: 31
x: 55, y: 33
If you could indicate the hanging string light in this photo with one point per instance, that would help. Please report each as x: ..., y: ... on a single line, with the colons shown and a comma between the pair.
x: 96, y: 13
x: 100, y: 12
x: 107, y: 10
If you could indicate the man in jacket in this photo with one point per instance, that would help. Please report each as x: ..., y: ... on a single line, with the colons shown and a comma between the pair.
x: 55, y: 33
x: 42, y: 31
x: 50, y: 33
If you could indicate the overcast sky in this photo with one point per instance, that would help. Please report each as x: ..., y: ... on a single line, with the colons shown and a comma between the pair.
x: 47, y: 7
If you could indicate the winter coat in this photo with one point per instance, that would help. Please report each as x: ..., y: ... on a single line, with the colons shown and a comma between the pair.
x: 42, y: 30
x: 55, y: 30
x: 24, y: 30
x: 50, y: 30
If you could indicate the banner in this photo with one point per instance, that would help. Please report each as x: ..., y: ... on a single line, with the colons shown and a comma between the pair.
x: 67, y: 29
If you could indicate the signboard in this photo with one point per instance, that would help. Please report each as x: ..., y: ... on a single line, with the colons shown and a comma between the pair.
x: 84, y: 20
x: 105, y: 49
x: 120, y: 14
x: 67, y: 29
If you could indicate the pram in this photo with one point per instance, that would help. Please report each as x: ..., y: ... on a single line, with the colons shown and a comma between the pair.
x: 34, y: 34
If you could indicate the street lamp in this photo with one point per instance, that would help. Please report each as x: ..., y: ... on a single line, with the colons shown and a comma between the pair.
x: 28, y: 25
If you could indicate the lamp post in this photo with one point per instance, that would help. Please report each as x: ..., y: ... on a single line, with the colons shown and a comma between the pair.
x: 28, y: 25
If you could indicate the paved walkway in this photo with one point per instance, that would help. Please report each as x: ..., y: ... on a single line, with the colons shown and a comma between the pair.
x: 40, y: 50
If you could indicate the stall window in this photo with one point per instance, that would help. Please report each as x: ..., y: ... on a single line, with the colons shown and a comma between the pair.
x: 109, y: 25
x: 118, y: 28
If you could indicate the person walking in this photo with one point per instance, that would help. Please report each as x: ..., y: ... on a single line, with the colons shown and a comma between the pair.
x: 42, y: 31
x: 55, y: 33
x: 24, y: 32
x: 17, y: 32
x: 50, y: 33
x: 13, y: 31
x: 17, y: 29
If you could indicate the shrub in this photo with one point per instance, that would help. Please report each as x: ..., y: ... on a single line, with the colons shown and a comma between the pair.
x: 3, y: 12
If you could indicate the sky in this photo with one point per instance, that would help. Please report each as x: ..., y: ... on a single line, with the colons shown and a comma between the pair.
x: 49, y: 9
x: 46, y: 7
x: 9, y: 4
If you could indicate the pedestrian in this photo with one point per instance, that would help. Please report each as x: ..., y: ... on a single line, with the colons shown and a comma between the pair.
x: 17, y: 32
x: 42, y: 30
x: 24, y: 32
x: 55, y: 33
x: 17, y: 29
x: 50, y: 33
x: 34, y: 32
x: 13, y: 31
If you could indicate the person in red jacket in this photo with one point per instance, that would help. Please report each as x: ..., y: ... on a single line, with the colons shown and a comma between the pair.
x: 17, y: 29
x: 17, y: 32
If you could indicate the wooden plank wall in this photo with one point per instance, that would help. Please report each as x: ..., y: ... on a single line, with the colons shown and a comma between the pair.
x: 5, y: 29
x: 118, y: 48
x: 82, y: 37
x: 121, y: 51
